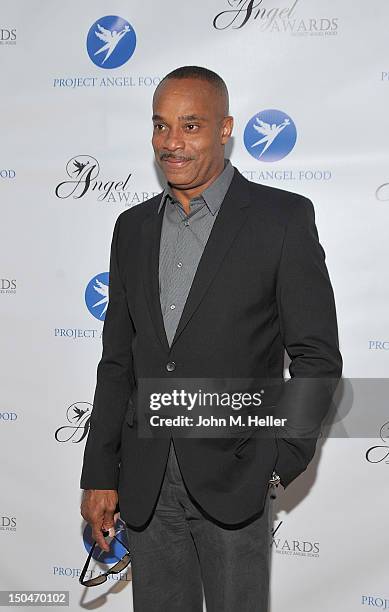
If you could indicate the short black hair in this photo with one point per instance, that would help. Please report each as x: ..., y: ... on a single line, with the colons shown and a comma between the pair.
x: 203, y: 74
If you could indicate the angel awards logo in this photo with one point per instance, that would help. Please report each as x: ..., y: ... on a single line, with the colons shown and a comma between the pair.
x: 379, y: 453
x: 270, y: 135
x: 111, y: 41
x: 96, y: 295
x: 77, y: 426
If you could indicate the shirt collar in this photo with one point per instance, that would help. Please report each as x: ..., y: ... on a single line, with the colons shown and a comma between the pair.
x: 214, y: 194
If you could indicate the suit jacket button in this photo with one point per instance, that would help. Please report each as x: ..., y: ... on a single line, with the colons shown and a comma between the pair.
x: 170, y: 366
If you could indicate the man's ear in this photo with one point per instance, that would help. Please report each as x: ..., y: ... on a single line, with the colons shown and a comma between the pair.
x: 227, y: 127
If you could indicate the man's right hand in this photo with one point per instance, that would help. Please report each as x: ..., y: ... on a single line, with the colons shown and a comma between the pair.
x: 98, y: 509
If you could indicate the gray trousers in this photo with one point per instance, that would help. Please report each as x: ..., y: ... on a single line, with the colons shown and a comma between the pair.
x: 182, y: 555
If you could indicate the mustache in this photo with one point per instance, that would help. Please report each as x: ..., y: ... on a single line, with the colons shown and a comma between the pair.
x: 163, y: 156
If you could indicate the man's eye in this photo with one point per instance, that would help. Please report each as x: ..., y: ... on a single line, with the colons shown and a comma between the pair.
x: 158, y: 126
x: 191, y: 127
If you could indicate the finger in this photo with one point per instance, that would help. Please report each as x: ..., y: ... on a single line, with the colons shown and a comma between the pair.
x: 108, y: 522
x: 97, y: 535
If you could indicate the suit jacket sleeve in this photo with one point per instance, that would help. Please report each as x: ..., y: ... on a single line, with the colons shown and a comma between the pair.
x: 115, y: 382
x: 308, y: 327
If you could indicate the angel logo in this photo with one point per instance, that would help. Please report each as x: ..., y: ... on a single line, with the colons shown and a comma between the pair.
x: 78, y: 416
x: 96, y: 295
x: 270, y: 135
x: 111, y: 41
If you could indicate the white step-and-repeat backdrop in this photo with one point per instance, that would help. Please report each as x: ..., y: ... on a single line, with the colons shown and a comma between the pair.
x: 77, y: 80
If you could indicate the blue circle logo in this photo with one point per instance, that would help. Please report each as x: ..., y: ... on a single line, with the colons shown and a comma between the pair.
x: 111, y: 42
x: 270, y: 135
x: 116, y: 550
x: 96, y: 295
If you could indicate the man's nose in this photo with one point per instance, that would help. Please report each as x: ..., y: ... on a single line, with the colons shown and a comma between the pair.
x: 173, y: 140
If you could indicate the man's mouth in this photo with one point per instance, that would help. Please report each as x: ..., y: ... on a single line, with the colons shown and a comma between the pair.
x: 175, y: 162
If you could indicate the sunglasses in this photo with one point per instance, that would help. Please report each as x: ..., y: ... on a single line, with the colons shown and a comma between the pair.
x: 115, y: 569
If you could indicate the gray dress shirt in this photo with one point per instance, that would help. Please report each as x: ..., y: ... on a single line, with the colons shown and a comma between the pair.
x: 183, y: 238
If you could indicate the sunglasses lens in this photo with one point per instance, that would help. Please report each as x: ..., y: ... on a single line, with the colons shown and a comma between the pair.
x: 95, y: 581
x: 120, y: 565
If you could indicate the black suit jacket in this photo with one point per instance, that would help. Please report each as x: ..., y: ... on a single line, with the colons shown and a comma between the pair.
x: 261, y: 286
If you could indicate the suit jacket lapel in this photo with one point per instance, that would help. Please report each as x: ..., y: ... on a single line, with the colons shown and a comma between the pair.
x: 228, y: 222
x: 230, y: 218
x: 151, y: 237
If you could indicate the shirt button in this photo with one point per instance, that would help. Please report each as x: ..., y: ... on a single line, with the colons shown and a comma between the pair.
x: 179, y: 265
x: 172, y: 306
x: 187, y: 223
x: 170, y: 366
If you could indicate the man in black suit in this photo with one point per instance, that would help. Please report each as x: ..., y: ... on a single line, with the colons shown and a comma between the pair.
x: 212, y: 280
